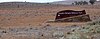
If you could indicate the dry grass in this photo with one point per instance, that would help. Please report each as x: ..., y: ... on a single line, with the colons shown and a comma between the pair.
x: 34, y: 16
x: 37, y: 16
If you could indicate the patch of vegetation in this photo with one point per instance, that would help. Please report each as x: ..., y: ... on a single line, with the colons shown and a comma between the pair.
x: 92, y: 1
x: 86, y: 32
x: 80, y: 3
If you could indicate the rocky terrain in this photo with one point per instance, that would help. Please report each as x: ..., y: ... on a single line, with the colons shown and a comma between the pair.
x: 89, y: 31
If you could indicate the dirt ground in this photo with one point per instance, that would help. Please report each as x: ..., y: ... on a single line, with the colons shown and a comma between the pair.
x: 30, y: 22
x: 38, y: 16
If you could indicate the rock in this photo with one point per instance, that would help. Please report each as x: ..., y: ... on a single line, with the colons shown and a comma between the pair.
x: 58, y: 34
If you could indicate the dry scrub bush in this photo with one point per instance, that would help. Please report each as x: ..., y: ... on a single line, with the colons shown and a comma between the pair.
x: 86, y: 32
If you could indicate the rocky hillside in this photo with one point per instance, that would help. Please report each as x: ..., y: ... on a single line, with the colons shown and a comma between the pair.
x: 21, y: 4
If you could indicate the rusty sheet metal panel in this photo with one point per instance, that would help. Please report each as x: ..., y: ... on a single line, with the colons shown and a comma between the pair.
x: 69, y: 13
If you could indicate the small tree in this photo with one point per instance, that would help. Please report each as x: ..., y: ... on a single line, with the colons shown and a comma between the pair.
x: 92, y: 1
x: 85, y: 3
x: 72, y: 3
x: 80, y: 3
x: 76, y: 2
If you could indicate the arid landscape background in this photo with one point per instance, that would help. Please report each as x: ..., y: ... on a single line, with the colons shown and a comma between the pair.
x: 28, y: 14
x: 19, y: 20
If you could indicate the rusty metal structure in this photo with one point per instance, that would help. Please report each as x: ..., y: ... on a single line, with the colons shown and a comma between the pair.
x: 72, y: 16
x: 68, y: 13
